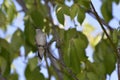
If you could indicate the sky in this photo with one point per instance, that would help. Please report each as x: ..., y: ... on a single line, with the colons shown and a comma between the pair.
x: 18, y: 23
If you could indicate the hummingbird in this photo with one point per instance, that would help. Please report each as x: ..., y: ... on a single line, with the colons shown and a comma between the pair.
x: 41, y: 42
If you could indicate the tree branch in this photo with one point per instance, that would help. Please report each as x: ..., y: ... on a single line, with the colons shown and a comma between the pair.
x: 55, y: 36
x: 49, y: 73
x: 57, y: 39
x: 64, y: 67
x: 100, y: 22
x: 117, y: 51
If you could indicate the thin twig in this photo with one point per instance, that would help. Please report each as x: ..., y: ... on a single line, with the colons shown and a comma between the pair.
x: 102, y: 20
x: 49, y: 73
x: 55, y: 66
x: 91, y: 13
x: 65, y: 67
x: 60, y: 76
x: 56, y: 37
x: 99, y: 20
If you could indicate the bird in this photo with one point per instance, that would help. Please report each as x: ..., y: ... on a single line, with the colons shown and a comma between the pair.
x: 40, y: 42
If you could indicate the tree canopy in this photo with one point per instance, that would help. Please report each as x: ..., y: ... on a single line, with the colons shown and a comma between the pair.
x: 72, y: 62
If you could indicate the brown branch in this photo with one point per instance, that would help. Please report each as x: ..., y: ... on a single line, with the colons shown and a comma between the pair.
x: 49, y: 73
x: 99, y: 20
x: 55, y: 66
x: 117, y: 51
x: 57, y: 39
x: 64, y: 67
x: 92, y: 14
x: 54, y: 63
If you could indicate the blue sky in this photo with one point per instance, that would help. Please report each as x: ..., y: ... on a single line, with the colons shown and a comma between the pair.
x: 18, y: 23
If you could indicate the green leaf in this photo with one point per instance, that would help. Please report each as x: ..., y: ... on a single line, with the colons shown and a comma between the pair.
x: 92, y: 76
x: 4, y: 44
x: 105, y: 54
x: 11, y: 11
x: 81, y: 15
x: 7, y: 65
x: 47, y: 26
x: 96, y: 68
x: 83, y: 3
x: 33, y: 62
x: 33, y: 75
x: 66, y: 10
x: 39, y: 6
x: 13, y: 77
x: 3, y: 19
x: 99, y: 69
x: 110, y: 60
x: 42, y: 8
x: 74, y: 10
x: 37, y: 18
x: 67, y: 76
x: 37, y: 75
x: 28, y: 72
x: 3, y: 65
x: 7, y: 70
x: 60, y: 14
x: 5, y: 50
x: 29, y: 4
x: 117, y: 1
x: 29, y: 33
x: 74, y: 58
x: 82, y: 76
x: 60, y: 1
x: 28, y: 48
x: 61, y: 10
x: 115, y: 36
x: 106, y: 10
x: 29, y: 36
x: 17, y: 40
x: 73, y: 48
x: 5, y: 57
